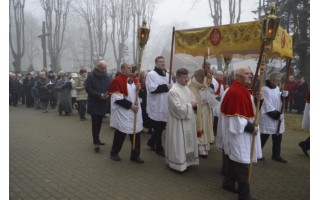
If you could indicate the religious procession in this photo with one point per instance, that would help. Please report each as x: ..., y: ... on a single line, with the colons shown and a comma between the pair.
x: 185, y: 115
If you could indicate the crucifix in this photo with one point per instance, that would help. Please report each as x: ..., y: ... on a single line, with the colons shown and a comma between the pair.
x: 43, y: 44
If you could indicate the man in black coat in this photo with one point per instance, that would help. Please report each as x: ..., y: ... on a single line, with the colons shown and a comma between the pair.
x: 97, y: 85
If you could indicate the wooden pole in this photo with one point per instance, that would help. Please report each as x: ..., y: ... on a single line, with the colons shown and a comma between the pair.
x: 137, y: 99
x: 258, y: 66
x: 288, y: 65
x: 171, y: 54
x: 256, y: 119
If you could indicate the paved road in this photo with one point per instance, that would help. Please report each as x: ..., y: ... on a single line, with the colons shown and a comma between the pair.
x: 52, y: 157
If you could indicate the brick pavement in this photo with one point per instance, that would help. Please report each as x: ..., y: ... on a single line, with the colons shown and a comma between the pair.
x: 52, y: 157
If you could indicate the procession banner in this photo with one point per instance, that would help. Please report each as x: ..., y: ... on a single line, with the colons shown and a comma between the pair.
x: 234, y: 40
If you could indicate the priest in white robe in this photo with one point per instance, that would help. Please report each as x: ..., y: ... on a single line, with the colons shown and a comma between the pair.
x: 181, y: 134
x: 204, y: 119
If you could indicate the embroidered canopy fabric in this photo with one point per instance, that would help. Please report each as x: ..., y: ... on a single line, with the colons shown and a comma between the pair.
x: 229, y: 41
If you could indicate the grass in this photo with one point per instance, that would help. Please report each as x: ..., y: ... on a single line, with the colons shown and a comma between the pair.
x: 293, y: 122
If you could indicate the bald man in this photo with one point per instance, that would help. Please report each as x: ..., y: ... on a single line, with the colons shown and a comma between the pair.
x: 97, y: 85
x: 236, y: 128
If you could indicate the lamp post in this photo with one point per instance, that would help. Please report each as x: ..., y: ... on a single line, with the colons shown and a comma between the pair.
x: 143, y: 36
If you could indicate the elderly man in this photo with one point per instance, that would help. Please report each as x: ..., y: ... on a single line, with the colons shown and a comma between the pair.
x: 236, y: 120
x: 181, y: 137
x: 204, y: 112
x: 271, y: 120
x: 124, y: 90
x: 97, y: 85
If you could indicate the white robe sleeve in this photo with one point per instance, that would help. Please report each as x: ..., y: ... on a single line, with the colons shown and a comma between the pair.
x: 177, y: 108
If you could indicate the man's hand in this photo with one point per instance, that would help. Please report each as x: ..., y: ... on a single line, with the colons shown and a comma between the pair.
x: 285, y: 93
x: 134, y: 108
x: 259, y: 96
x: 256, y: 130
x: 194, y: 103
x: 281, y: 117
x: 104, y: 96
x: 138, y: 86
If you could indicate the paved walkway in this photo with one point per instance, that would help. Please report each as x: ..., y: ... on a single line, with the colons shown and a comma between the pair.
x: 52, y: 157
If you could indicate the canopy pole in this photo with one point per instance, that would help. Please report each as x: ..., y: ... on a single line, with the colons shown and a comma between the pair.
x: 258, y: 66
x: 171, y: 54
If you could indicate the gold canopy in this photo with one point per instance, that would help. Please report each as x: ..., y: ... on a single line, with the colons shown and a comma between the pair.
x: 234, y: 40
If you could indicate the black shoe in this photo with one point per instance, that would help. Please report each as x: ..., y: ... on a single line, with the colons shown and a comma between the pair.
x: 230, y: 189
x: 279, y: 159
x: 102, y: 143
x: 261, y: 159
x: 115, y: 157
x: 138, y: 160
x: 96, y: 148
x: 203, y: 156
x: 302, y: 146
x: 151, y: 145
x: 161, y: 153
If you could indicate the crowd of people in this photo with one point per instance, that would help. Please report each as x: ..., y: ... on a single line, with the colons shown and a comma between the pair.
x: 195, y: 111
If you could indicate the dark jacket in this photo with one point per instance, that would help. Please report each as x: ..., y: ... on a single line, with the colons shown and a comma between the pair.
x: 95, y: 85
x: 42, y: 88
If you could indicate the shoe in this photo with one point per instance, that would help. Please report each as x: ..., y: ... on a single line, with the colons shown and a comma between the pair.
x: 161, y: 153
x: 261, y: 159
x: 279, y: 159
x: 203, y: 156
x: 102, y: 143
x: 82, y: 119
x: 115, y: 157
x: 230, y: 189
x: 302, y: 146
x: 138, y: 160
x: 96, y: 148
x: 151, y: 145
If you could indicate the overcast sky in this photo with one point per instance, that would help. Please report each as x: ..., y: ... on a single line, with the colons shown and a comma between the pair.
x: 197, y: 14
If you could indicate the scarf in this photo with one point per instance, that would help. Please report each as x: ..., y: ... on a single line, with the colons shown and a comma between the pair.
x: 99, y: 74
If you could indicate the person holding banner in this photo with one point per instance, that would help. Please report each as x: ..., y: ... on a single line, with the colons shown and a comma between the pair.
x: 123, y: 91
x: 237, y: 129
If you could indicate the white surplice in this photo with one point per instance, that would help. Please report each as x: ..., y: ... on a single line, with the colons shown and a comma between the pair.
x: 121, y: 118
x: 156, y: 102
x: 271, y: 102
x: 181, y: 136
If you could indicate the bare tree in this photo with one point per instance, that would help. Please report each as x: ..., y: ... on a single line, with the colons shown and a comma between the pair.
x: 56, y: 12
x: 120, y: 18
x: 233, y: 11
x: 16, y: 12
x: 95, y: 14
x: 32, y: 49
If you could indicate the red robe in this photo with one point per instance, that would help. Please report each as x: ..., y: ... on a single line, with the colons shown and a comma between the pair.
x: 237, y: 101
x: 219, y: 86
x: 119, y: 84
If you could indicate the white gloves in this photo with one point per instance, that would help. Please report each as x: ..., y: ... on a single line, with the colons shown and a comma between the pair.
x: 285, y: 93
x: 281, y: 117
